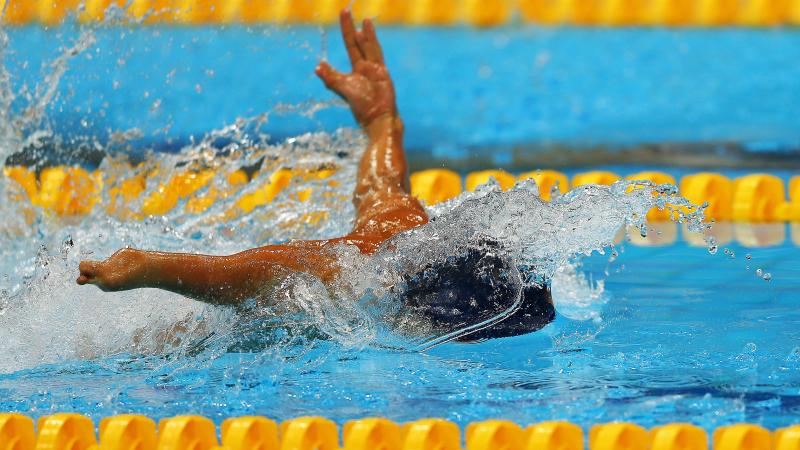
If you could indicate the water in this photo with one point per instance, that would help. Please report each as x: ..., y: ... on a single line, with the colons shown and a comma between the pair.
x: 643, y: 334
x: 684, y: 336
x: 585, y: 89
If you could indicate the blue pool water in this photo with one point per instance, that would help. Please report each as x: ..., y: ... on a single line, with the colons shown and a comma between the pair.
x: 463, y: 92
x: 684, y: 336
x: 659, y: 334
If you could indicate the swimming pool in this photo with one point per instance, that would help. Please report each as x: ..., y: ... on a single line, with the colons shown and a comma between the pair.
x: 674, y: 334
x: 656, y: 334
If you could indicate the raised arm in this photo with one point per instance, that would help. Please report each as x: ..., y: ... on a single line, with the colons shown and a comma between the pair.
x: 369, y: 91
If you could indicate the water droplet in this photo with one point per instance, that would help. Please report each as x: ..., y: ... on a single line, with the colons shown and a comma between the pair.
x: 198, y: 88
x: 759, y: 272
x: 767, y: 276
x: 748, y: 256
x: 712, y: 249
x: 750, y: 347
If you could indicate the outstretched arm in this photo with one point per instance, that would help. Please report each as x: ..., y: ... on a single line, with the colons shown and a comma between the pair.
x: 219, y: 280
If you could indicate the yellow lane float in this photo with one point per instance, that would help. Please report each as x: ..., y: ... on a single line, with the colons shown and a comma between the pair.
x: 487, y: 13
x: 68, y: 191
x: 554, y: 435
x: 655, y: 214
x: 678, y: 436
x: 763, y: 13
x: 369, y: 434
x: 494, y: 434
x: 128, y: 432
x: 66, y: 431
x: 152, y: 11
x: 435, y: 185
x: 548, y: 12
x: 136, y: 432
x: 757, y: 198
x: 250, y: 432
x: 621, y: 12
x: 716, y: 12
x: 309, y: 433
x: 431, y: 434
x: 711, y: 188
x: 95, y: 10
x: 742, y: 437
x: 482, y: 13
x: 51, y: 12
x: 546, y: 180
x: 595, y: 177
x: 618, y: 436
x: 384, y: 11
x: 16, y: 432
x: 19, y: 12
x: 475, y: 179
x: 669, y: 12
x: 180, y: 186
x: 788, y: 438
x: 432, y: 12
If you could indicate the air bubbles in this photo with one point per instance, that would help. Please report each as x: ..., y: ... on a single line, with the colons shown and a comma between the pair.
x: 155, y: 105
x: 766, y: 276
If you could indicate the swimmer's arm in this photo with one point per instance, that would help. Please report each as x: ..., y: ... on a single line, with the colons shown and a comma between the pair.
x: 369, y: 91
x: 218, y: 280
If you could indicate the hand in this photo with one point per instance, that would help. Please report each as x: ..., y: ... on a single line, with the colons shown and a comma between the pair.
x: 368, y: 88
x: 122, y: 271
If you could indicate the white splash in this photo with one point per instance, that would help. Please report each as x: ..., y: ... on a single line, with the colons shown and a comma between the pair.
x: 45, y: 317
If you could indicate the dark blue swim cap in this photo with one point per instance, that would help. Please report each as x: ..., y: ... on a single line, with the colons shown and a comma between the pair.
x: 475, y: 286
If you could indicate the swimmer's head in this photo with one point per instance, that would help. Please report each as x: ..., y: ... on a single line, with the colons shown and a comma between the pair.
x: 475, y: 286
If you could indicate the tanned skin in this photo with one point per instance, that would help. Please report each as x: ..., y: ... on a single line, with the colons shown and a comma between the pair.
x: 384, y: 205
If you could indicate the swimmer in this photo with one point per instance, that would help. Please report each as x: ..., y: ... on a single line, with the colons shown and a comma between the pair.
x: 455, y: 296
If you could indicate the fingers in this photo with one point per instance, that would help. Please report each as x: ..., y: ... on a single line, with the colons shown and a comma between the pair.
x: 349, y: 36
x: 88, y: 272
x: 88, y: 268
x: 329, y: 75
x: 369, y: 42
